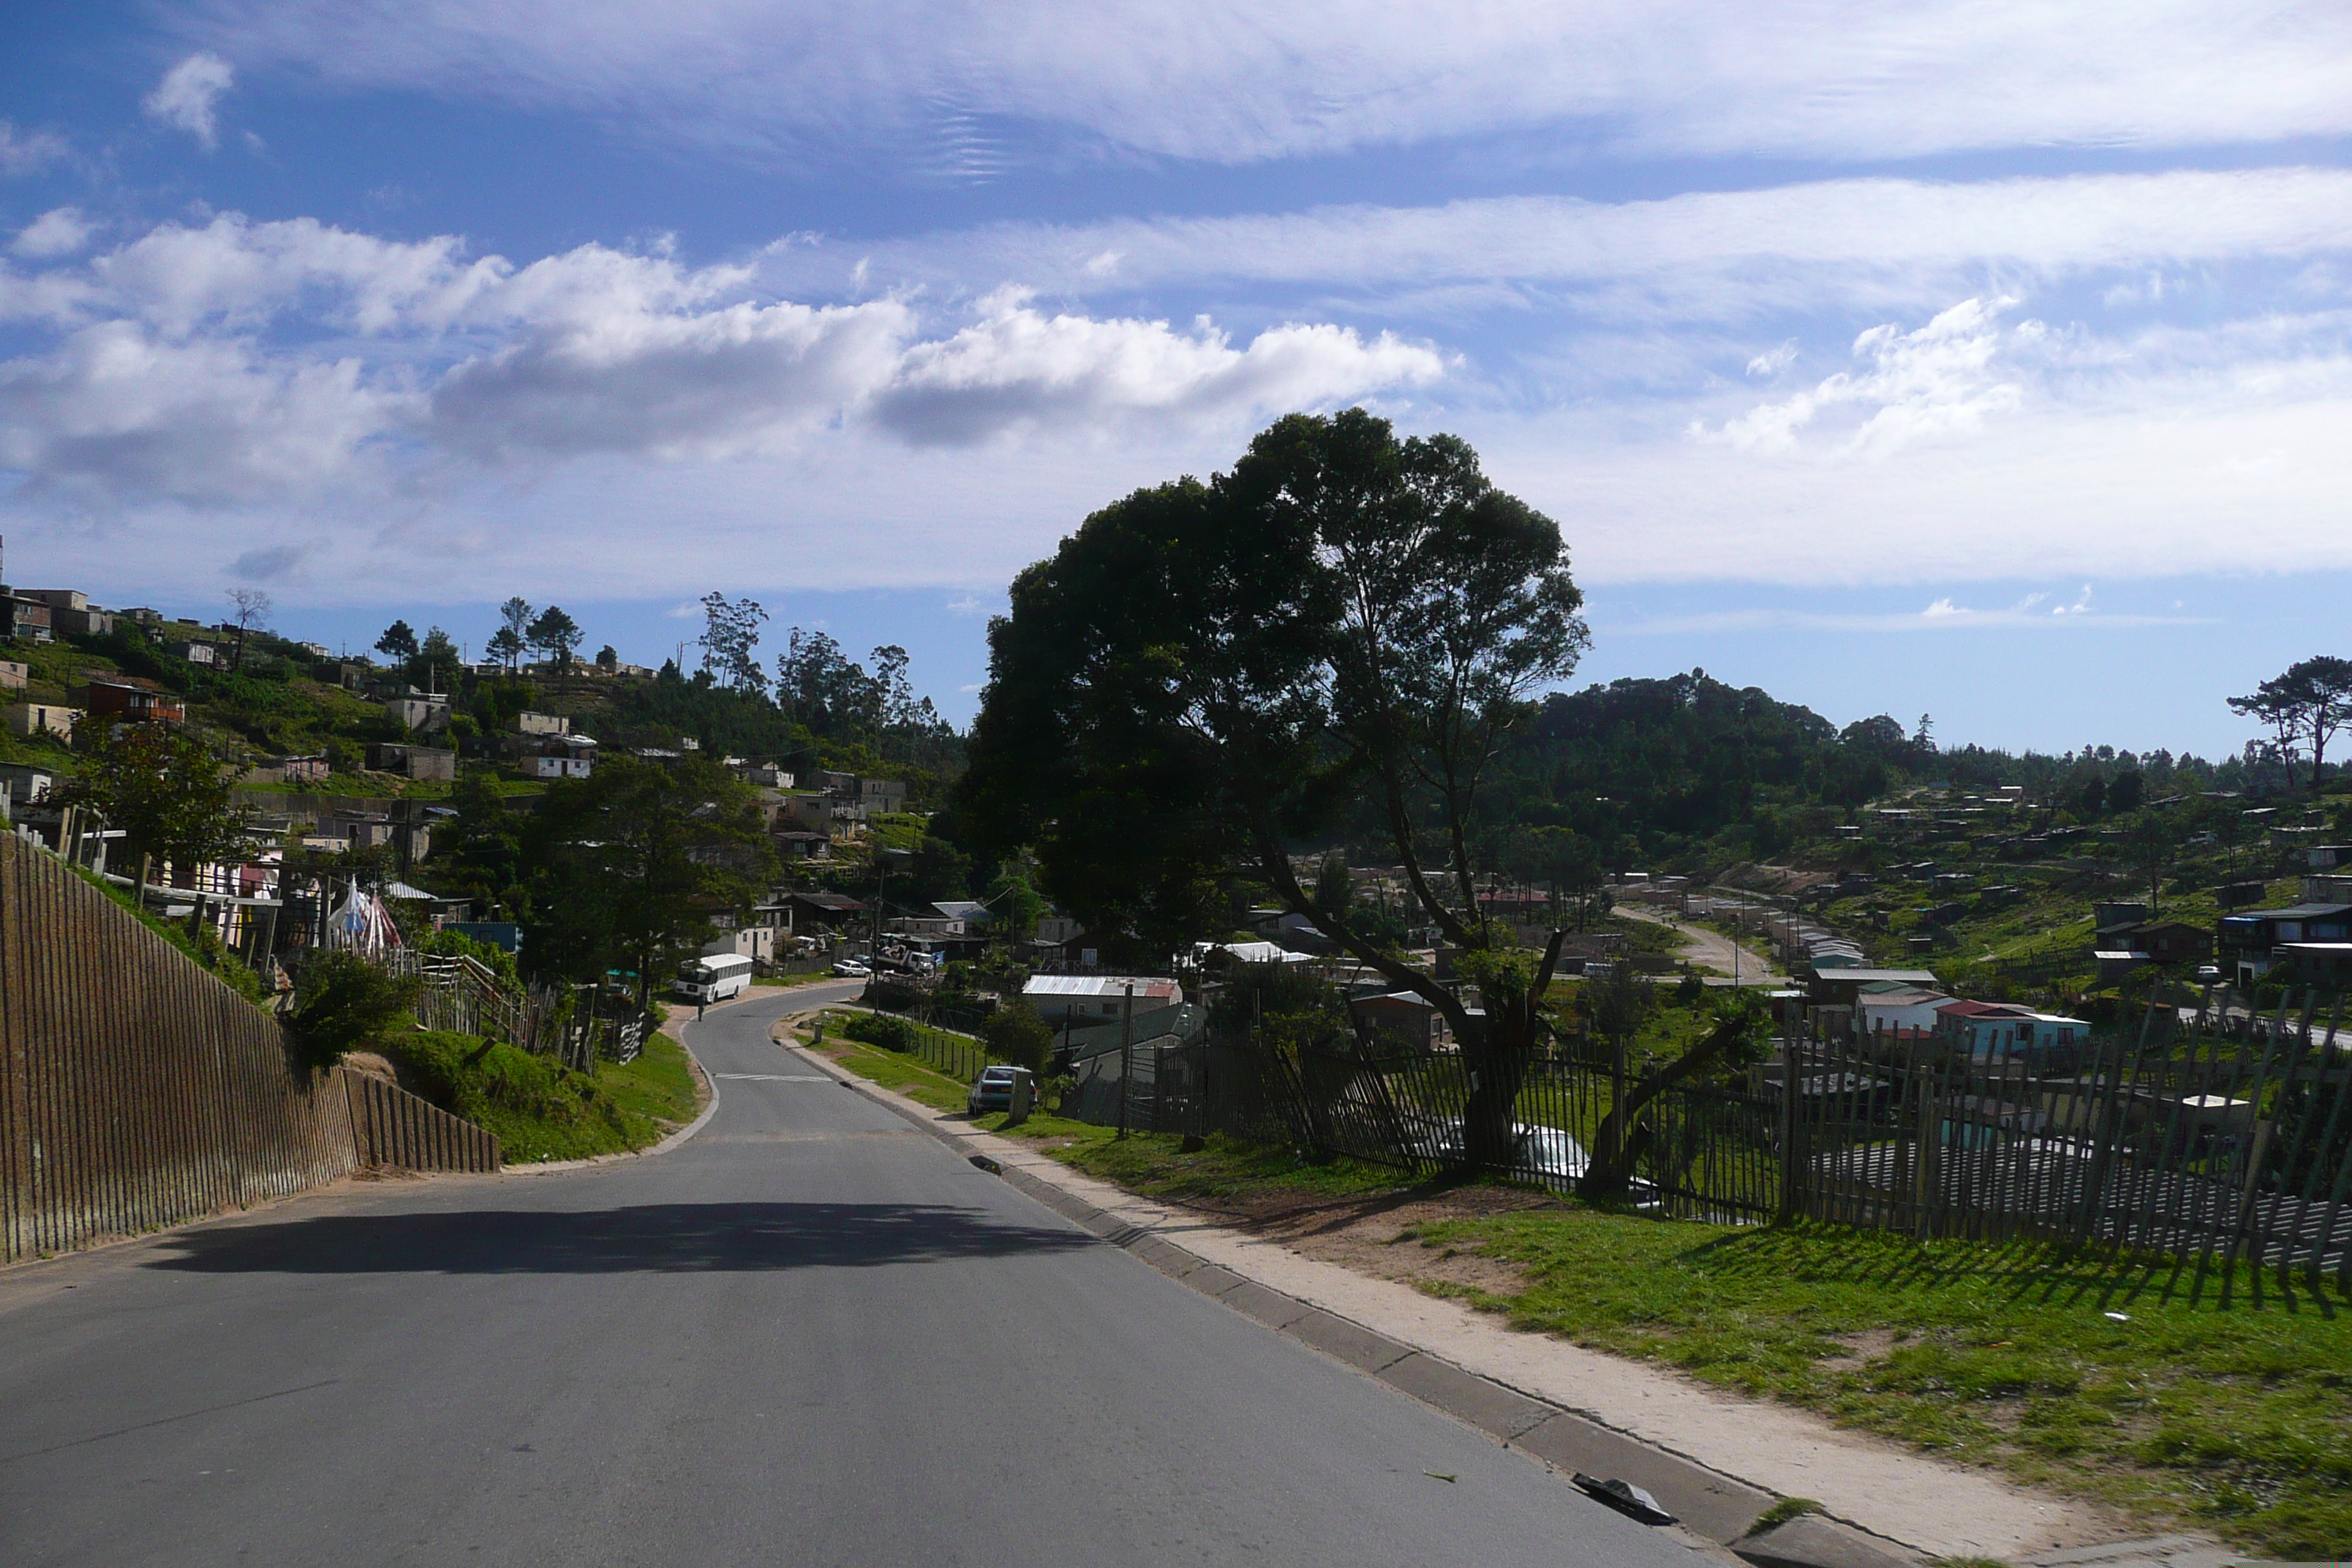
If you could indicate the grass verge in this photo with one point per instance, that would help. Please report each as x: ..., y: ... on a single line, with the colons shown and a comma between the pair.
x: 2067, y: 1373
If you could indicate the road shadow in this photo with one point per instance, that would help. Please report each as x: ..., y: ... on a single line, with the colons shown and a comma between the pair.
x: 654, y: 1239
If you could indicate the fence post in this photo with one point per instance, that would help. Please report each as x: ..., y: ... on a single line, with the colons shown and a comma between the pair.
x: 1126, y: 1055
x: 1788, y: 1120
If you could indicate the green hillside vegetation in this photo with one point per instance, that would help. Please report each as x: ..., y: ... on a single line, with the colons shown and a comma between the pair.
x: 540, y: 1110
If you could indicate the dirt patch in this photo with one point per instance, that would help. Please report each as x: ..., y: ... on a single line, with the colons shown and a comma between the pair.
x: 1380, y: 1235
x: 1862, y: 1348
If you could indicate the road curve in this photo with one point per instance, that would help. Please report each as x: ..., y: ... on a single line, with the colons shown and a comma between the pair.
x: 808, y: 1335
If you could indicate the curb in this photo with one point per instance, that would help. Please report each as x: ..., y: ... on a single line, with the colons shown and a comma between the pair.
x: 1716, y: 1510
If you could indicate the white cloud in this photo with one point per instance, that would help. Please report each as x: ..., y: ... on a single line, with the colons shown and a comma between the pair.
x: 188, y: 96
x: 61, y: 231
x: 28, y: 153
x: 1772, y: 361
x: 919, y: 82
x: 1937, y: 381
x: 209, y: 363
x: 712, y: 385
x: 116, y: 411
x: 1017, y: 368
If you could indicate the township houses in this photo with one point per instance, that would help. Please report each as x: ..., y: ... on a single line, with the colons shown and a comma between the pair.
x: 2255, y: 941
x: 15, y: 674
x: 1889, y: 1007
x: 821, y: 911
x: 130, y: 700
x: 413, y: 762
x: 30, y: 718
x: 563, y: 757
x: 1399, y: 1016
x: 2001, y: 1031
x: 1083, y: 998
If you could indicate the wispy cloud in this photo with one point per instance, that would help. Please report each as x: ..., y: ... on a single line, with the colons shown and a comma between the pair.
x: 1232, y: 83
x: 29, y: 151
x: 188, y: 96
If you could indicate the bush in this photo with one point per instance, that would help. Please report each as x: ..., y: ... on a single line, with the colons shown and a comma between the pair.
x: 343, y: 1004
x: 879, y: 1030
x: 1017, y: 1034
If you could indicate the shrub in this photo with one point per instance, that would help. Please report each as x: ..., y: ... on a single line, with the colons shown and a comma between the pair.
x: 1017, y: 1034
x: 344, y: 1002
x: 879, y: 1030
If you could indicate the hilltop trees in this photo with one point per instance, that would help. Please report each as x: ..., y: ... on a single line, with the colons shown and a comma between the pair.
x: 1204, y: 672
x: 399, y: 642
x: 730, y: 634
x: 2310, y: 700
x: 250, y: 609
x: 556, y: 632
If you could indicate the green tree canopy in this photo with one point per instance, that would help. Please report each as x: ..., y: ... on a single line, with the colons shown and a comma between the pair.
x: 1205, y: 672
x: 164, y: 790
x: 398, y: 642
x: 555, y: 632
x: 634, y: 862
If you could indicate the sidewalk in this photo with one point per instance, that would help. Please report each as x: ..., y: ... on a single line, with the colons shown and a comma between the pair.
x: 1716, y: 1459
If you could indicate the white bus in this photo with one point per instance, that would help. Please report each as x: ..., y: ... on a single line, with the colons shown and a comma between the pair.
x: 714, y: 978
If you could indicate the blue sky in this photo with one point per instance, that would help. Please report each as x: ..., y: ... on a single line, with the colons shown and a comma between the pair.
x: 1986, y: 360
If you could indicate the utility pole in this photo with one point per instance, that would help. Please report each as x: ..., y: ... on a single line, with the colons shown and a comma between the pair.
x: 1126, y: 1054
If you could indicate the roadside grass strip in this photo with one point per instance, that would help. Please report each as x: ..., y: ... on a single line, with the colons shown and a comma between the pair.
x: 2120, y: 1382
x: 2106, y: 1381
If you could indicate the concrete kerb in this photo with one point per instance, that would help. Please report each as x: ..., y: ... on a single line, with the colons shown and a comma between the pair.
x: 1716, y: 1510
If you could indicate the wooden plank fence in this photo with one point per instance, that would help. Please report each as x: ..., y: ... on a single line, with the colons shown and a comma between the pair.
x: 138, y: 1091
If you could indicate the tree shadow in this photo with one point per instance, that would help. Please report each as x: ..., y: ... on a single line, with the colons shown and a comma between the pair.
x: 654, y: 1239
x: 2019, y: 1270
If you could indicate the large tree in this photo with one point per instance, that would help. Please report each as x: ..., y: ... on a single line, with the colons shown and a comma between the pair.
x: 1205, y: 672
x: 634, y: 862
x: 251, y: 610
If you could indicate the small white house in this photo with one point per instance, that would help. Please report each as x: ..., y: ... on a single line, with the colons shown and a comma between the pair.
x: 1091, y: 998
x: 563, y: 757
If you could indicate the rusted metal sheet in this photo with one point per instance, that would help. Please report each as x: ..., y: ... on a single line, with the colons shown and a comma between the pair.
x: 139, y: 1091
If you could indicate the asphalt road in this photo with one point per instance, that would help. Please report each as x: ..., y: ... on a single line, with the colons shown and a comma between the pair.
x: 810, y: 1335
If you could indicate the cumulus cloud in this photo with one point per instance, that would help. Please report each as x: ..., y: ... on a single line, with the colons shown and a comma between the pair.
x: 920, y: 81
x: 1017, y: 368
x: 181, y: 367
x: 1938, y: 380
x: 713, y: 384
x: 61, y: 231
x: 116, y: 411
x: 28, y: 151
x: 188, y: 96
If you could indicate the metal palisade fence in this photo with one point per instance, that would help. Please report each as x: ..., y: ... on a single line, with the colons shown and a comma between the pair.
x: 2217, y: 1135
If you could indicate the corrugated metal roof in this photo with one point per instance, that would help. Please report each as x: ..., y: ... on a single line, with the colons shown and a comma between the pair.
x: 1096, y: 985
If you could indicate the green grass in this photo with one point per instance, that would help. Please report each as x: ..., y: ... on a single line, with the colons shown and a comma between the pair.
x: 2237, y: 1419
x: 903, y: 1073
x: 659, y: 1085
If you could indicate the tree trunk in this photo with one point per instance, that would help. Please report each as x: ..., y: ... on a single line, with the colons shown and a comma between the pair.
x: 1497, y: 1067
